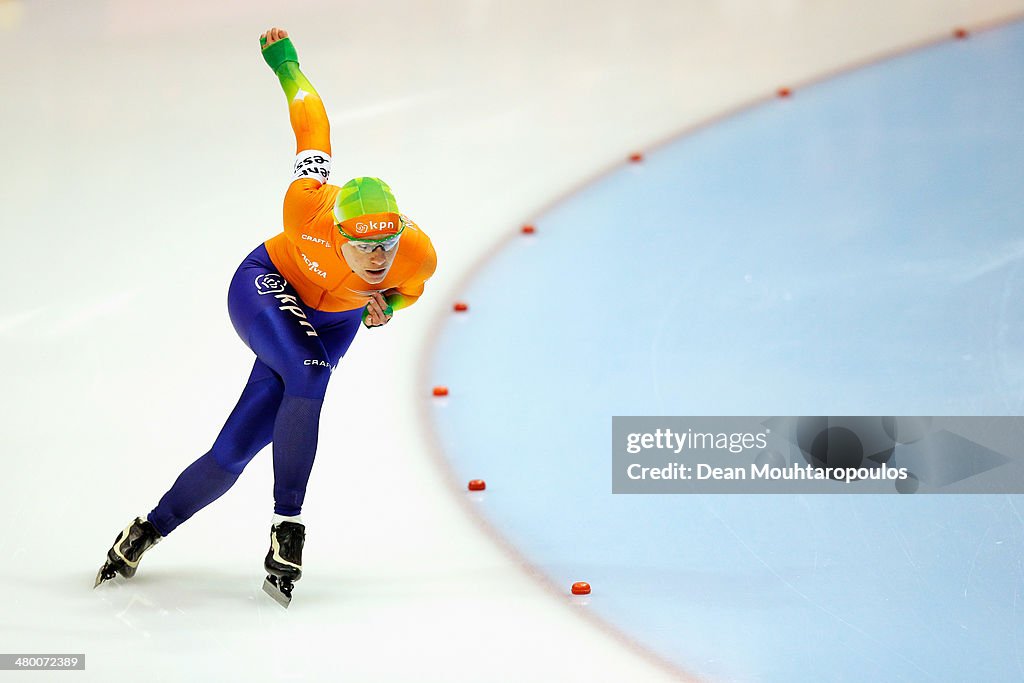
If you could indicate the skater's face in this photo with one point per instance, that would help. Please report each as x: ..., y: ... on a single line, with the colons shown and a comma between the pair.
x: 371, y: 266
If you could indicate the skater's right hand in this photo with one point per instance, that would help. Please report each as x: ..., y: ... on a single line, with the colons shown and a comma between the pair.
x: 271, y: 36
x: 378, y: 311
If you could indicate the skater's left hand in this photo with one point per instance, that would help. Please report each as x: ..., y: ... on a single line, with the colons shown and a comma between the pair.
x: 378, y: 312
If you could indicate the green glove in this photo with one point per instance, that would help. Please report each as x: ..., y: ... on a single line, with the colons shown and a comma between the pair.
x: 280, y: 52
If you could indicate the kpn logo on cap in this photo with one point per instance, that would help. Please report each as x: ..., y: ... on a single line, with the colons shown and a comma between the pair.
x: 374, y: 226
x: 365, y: 227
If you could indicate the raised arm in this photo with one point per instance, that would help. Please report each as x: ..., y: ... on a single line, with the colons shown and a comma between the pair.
x: 308, y: 117
x: 305, y: 108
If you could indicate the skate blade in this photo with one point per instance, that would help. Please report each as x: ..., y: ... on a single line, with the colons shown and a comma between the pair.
x: 271, y: 589
x: 100, y: 578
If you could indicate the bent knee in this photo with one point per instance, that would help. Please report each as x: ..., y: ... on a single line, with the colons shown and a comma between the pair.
x: 309, y: 378
x: 232, y: 458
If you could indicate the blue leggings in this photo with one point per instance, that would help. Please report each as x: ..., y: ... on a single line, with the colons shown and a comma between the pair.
x: 297, y: 348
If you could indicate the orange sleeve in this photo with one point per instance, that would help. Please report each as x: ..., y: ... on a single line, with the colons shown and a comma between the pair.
x: 412, y: 289
x: 307, y: 194
x: 309, y: 122
x: 306, y: 200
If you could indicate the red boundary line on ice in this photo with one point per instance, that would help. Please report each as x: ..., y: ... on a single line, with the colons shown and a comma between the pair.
x: 429, y: 349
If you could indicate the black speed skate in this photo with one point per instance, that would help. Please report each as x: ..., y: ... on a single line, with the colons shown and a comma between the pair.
x: 284, y: 561
x: 124, y: 556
